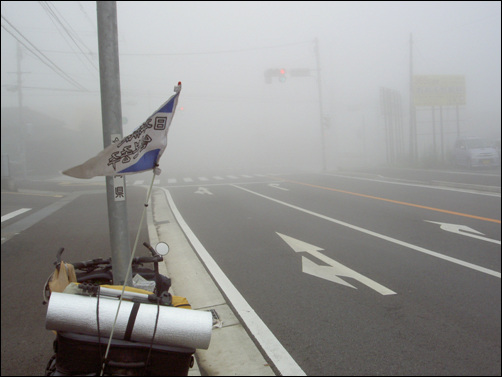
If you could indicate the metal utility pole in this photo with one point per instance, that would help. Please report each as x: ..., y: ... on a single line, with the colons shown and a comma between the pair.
x: 321, y: 116
x: 112, y: 128
x: 22, y: 126
x: 413, y: 124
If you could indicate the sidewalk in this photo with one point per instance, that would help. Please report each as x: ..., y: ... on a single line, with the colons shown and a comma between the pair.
x: 231, y: 351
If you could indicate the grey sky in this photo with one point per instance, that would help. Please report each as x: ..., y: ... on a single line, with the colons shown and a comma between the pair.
x: 220, y: 50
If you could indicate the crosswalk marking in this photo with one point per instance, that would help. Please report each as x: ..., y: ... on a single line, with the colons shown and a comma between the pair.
x: 142, y: 181
x: 14, y: 214
x: 171, y: 181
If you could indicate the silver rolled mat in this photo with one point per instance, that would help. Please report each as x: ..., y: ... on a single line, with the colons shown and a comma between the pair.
x: 176, y: 327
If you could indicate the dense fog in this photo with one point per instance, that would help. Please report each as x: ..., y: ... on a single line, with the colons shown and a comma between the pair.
x: 229, y: 118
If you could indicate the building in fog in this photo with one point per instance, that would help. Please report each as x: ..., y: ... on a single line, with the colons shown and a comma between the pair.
x: 34, y: 143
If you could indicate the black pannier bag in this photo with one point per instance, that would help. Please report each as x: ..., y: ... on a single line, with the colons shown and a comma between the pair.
x: 83, y: 354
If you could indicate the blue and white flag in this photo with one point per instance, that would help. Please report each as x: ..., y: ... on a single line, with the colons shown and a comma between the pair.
x: 135, y: 153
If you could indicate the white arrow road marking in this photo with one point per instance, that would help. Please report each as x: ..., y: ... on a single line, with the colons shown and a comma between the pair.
x: 323, y: 272
x: 282, y: 360
x: 203, y: 190
x: 462, y: 229
x: 335, y: 270
x: 276, y: 185
x: 380, y: 236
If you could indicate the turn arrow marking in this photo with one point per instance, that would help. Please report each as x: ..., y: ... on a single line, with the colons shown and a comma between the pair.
x: 334, y: 270
x: 276, y: 185
x: 462, y: 229
x: 203, y: 191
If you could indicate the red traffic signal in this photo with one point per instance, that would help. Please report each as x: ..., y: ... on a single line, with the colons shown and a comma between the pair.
x: 282, y: 76
x: 280, y: 73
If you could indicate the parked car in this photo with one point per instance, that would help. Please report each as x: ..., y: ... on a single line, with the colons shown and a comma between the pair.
x: 474, y: 152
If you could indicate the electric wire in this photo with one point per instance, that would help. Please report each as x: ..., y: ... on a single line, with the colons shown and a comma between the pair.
x: 51, y: 10
x: 40, y: 55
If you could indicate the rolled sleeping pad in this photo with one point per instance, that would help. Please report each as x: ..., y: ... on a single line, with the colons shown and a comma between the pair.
x: 176, y: 327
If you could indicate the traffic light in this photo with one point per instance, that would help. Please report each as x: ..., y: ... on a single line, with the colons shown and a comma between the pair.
x: 282, y: 75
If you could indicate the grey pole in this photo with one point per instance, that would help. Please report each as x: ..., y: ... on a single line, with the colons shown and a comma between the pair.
x: 413, y: 123
x: 20, y: 105
x: 112, y: 126
x: 323, y: 142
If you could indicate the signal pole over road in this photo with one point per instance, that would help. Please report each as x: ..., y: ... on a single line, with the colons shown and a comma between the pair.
x: 321, y: 116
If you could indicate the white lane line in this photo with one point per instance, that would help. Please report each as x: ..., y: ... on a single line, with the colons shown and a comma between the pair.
x: 381, y: 236
x: 283, y: 361
x: 188, y: 179
x: 457, y: 189
x: 24, y: 223
x: 14, y: 214
x: 171, y: 180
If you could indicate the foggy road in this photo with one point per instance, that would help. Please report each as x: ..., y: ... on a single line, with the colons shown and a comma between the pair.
x: 314, y: 153
x: 353, y: 273
x: 359, y: 276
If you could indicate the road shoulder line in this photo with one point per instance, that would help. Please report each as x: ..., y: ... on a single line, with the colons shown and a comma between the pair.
x: 231, y: 351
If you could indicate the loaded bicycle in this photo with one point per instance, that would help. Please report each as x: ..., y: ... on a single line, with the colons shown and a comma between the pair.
x: 81, y: 298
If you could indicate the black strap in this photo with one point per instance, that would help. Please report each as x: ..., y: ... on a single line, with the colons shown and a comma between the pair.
x: 132, y: 319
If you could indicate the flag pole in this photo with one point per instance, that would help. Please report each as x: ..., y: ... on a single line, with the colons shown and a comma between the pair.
x: 154, y: 171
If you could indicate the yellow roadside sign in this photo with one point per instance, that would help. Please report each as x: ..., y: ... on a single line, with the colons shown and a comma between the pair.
x: 438, y: 90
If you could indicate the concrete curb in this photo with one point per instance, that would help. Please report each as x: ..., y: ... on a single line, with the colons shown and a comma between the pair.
x: 231, y: 351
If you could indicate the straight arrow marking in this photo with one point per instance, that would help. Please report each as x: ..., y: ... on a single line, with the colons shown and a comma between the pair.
x: 334, y: 270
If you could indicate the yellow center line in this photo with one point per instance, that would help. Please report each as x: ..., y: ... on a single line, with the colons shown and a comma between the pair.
x: 394, y: 201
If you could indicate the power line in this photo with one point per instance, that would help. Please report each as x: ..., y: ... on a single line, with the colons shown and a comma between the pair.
x: 40, y: 55
x: 51, y: 10
x: 233, y: 51
x: 12, y: 87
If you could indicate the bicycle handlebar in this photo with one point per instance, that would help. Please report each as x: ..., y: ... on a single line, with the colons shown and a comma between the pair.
x: 105, y: 262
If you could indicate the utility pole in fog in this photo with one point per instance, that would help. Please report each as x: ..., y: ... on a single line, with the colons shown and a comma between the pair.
x: 413, y: 123
x: 321, y: 116
x: 280, y: 73
x: 22, y: 127
x: 112, y: 129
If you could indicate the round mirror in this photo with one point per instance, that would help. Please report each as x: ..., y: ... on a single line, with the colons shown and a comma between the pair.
x: 162, y: 248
